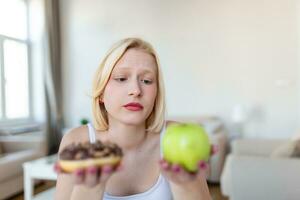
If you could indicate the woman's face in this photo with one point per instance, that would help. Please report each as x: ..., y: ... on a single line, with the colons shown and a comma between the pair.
x: 130, y: 93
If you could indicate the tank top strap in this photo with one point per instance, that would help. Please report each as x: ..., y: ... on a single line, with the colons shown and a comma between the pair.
x: 92, y: 134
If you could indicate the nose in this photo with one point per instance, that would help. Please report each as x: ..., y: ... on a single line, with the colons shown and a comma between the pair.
x: 135, y: 89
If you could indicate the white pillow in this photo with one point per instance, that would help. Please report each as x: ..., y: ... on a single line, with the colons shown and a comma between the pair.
x: 296, y: 136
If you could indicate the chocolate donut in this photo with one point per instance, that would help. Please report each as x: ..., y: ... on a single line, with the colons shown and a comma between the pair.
x: 82, y: 155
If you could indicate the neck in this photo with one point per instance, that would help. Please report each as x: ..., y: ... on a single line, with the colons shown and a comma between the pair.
x: 128, y: 137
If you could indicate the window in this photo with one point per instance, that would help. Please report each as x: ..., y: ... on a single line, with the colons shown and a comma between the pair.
x: 15, y: 87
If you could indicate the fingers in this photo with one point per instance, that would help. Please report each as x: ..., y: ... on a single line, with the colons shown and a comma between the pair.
x: 78, y: 176
x: 57, y: 168
x: 92, y: 175
x: 202, y: 165
x: 178, y: 174
x: 181, y: 174
x: 106, y: 172
x: 165, y: 168
x: 174, y: 172
x: 214, y: 149
x: 164, y: 164
x: 204, y: 169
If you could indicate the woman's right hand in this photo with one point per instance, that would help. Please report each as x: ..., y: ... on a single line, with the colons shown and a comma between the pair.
x: 91, y: 176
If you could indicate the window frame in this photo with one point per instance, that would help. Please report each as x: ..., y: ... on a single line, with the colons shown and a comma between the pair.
x: 4, y: 121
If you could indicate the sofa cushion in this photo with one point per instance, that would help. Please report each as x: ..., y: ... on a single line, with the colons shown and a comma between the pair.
x: 296, y: 136
x: 11, y: 164
x: 288, y: 149
x: 296, y: 152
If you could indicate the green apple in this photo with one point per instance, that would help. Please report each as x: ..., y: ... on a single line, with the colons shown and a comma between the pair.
x: 186, y: 145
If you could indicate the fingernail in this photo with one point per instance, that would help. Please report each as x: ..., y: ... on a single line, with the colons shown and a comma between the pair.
x: 176, y: 168
x: 107, y: 169
x: 79, y: 172
x: 92, y: 170
x: 161, y: 161
x: 165, y: 165
x: 215, y: 149
x: 57, y: 168
x: 202, y: 165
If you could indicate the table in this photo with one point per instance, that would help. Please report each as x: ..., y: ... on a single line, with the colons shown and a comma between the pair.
x: 38, y: 169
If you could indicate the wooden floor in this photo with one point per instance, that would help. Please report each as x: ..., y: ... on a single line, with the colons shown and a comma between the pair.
x: 39, y: 188
x: 213, y: 188
x: 215, y: 192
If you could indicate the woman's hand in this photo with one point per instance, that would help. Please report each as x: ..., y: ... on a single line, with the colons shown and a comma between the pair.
x: 187, y: 185
x: 92, y: 176
x: 178, y: 175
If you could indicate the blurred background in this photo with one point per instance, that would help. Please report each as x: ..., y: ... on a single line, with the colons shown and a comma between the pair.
x: 215, y: 55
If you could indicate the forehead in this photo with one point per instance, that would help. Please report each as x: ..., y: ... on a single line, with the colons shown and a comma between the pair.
x: 136, y: 59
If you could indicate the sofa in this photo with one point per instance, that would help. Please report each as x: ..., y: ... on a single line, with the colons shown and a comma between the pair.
x: 15, y: 151
x: 250, y: 172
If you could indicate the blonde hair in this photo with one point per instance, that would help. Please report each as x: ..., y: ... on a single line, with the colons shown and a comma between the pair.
x: 155, y: 121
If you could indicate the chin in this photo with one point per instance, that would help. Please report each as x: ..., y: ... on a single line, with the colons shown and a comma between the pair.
x: 133, y: 121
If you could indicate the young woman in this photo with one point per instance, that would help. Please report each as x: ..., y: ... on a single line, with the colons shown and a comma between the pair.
x: 129, y: 109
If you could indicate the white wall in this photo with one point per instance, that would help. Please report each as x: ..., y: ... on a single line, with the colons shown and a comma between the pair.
x: 214, y: 54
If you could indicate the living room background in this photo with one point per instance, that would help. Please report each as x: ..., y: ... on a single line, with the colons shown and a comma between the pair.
x: 215, y: 56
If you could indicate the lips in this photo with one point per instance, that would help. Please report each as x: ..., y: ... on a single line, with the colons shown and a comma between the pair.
x: 133, y: 106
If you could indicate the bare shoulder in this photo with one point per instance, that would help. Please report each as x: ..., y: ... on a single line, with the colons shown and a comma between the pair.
x: 75, y: 135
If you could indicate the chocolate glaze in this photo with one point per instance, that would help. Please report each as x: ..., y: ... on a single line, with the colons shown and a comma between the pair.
x: 81, y: 151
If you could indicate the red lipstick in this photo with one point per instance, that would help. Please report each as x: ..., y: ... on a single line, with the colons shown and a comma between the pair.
x: 133, y: 106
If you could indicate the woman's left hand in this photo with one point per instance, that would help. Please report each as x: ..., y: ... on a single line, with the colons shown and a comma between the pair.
x: 183, y: 181
x: 177, y: 174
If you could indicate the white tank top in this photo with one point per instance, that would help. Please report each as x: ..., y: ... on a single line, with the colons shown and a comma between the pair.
x: 159, y: 191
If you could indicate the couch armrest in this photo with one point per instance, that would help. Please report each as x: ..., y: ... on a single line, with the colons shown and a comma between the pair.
x: 263, y: 178
x: 258, y: 147
x: 11, y: 163
x: 10, y: 146
x: 217, y: 160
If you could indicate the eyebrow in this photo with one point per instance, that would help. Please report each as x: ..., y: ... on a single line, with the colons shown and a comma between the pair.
x: 145, y: 71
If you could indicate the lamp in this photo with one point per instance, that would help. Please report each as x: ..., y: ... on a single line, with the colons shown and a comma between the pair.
x: 238, y: 118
